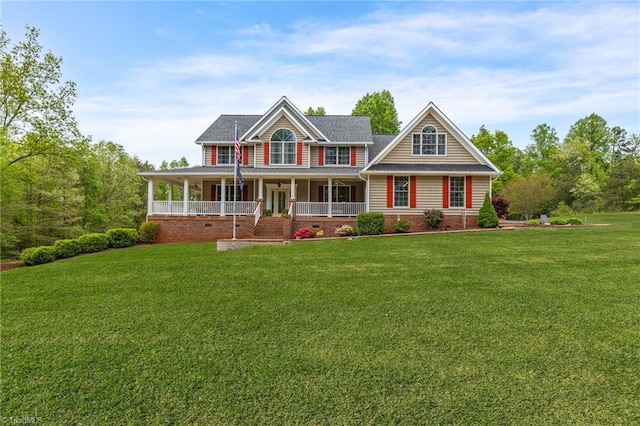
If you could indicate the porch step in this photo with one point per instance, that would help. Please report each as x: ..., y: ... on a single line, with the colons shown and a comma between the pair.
x: 269, y: 227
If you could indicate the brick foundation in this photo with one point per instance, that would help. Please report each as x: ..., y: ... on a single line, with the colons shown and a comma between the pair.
x: 192, y: 229
x: 185, y: 229
x: 419, y: 224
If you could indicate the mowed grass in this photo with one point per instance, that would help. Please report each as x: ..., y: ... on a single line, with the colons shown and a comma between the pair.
x: 532, y: 326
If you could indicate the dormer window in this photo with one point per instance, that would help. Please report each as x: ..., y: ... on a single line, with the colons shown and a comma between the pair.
x: 283, y: 147
x: 429, y: 142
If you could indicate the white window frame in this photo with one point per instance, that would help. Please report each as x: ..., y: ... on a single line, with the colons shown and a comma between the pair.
x: 462, y: 192
x: 333, y: 159
x: 422, y: 141
x: 280, y: 151
x: 335, y: 193
x: 229, y: 158
x: 229, y: 192
x: 400, y: 191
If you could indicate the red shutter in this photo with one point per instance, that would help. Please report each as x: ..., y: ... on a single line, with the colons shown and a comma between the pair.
x: 245, y: 155
x: 353, y: 155
x: 214, y: 155
x: 214, y: 193
x: 321, y: 193
x: 468, y: 190
x: 299, y: 154
x: 353, y: 194
x: 245, y: 192
x: 266, y: 153
x: 389, y: 191
x: 412, y: 192
x: 321, y: 156
x: 445, y: 192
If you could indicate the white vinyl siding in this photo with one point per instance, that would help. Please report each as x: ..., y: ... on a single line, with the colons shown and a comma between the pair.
x: 403, y: 152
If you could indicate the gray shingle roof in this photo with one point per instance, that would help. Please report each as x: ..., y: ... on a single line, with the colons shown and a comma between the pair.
x: 338, y: 128
x: 224, y: 127
x: 417, y: 168
x: 343, y: 128
x: 379, y: 142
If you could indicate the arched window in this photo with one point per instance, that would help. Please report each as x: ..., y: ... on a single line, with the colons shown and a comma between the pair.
x: 283, y: 147
x: 429, y: 142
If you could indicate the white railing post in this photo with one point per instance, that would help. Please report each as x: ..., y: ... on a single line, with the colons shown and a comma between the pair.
x: 330, y: 196
x: 223, y: 195
x: 150, y: 197
x: 185, y: 197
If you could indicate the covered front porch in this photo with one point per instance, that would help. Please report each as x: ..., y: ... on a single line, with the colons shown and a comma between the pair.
x: 217, y: 196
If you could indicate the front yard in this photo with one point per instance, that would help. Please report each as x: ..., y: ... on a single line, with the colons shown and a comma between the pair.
x: 532, y: 326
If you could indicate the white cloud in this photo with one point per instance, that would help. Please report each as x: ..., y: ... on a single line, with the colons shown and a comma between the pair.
x: 495, y: 66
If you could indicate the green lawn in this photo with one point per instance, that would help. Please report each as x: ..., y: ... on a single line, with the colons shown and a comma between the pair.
x: 532, y: 326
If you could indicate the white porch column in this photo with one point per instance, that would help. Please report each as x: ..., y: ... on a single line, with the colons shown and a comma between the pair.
x: 185, y: 201
x: 150, y: 197
x: 170, y: 191
x: 330, y: 195
x: 293, y: 187
x: 260, y: 189
x: 223, y: 195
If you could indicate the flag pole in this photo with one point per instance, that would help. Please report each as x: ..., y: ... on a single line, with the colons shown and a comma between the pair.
x: 235, y: 186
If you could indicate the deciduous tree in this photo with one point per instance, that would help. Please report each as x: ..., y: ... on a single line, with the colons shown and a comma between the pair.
x: 381, y: 109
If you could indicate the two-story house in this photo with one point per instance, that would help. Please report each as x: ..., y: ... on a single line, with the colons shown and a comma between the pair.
x: 321, y: 172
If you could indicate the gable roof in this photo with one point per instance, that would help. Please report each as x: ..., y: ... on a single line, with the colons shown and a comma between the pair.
x: 432, y: 109
x: 323, y: 128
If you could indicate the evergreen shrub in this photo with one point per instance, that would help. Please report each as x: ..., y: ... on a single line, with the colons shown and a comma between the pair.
x: 533, y: 222
x: 38, y: 255
x: 122, y: 237
x: 487, y: 216
x: 92, y: 243
x: 371, y: 223
x: 148, y: 232
x: 574, y: 221
x: 434, y: 218
x: 557, y: 221
x: 67, y: 248
x: 401, y: 225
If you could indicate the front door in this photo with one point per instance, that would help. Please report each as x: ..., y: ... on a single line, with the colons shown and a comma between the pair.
x: 279, y: 200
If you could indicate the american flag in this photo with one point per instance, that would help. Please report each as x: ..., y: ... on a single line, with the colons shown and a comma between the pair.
x: 239, y: 158
x: 238, y: 147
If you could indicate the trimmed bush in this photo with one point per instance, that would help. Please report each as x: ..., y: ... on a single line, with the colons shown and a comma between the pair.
x: 557, y: 221
x: 345, y: 230
x: 304, y: 233
x: 370, y: 223
x: 148, y: 232
x: 122, y: 237
x: 401, y: 225
x: 574, y: 221
x: 434, y: 218
x: 487, y: 216
x: 501, y: 206
x: 67, y: 248
x: 92, y: 243
x: 533, y: 222
x: 38, y: 255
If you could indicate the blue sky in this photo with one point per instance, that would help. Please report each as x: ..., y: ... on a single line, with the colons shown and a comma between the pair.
x: 152, y: 76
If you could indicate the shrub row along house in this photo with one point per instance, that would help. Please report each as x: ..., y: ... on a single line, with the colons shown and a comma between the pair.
x: 321, y: 172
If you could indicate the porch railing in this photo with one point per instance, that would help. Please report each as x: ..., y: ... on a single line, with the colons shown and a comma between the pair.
x: 213, y: 208
x: 246, y: 208
x: 323, y: 209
